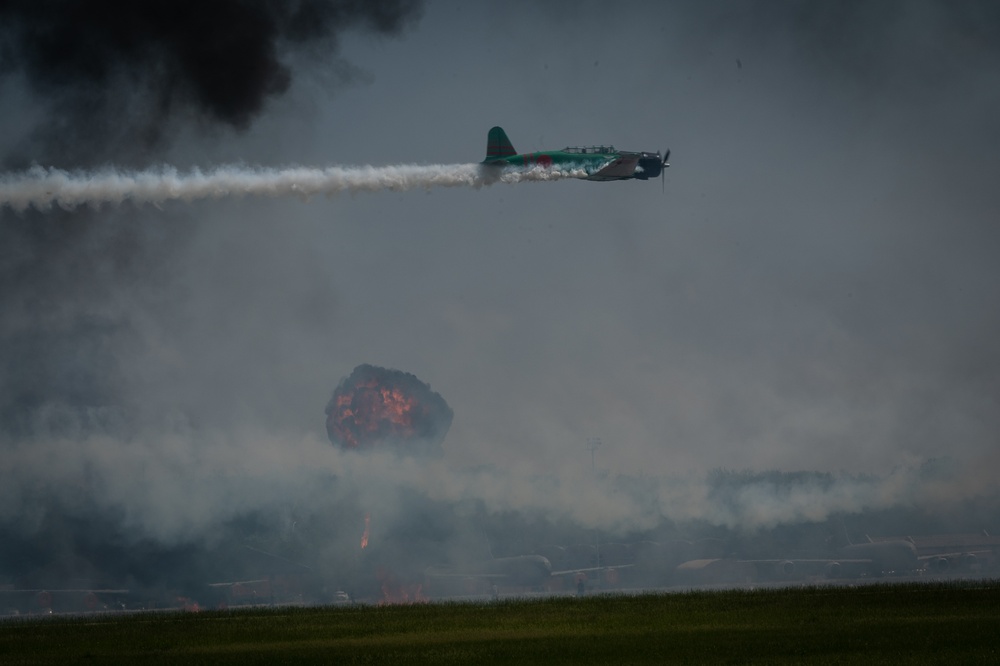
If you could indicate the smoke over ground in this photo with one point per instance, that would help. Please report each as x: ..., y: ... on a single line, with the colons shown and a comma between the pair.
x: 44, y: 188
x: 89, y: 351
x: 816, y: 290
x: 193, y: 487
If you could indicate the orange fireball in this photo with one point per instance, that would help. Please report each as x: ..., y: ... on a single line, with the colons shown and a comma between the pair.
x: 376, y: 407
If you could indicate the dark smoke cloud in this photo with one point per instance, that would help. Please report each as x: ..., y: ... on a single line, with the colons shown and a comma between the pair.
x: 83, y: 293
x: 115, y: 80
x: 119, y: 72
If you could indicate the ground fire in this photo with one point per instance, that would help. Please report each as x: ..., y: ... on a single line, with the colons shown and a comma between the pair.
x: 364, y: 535
x: 376, y: 407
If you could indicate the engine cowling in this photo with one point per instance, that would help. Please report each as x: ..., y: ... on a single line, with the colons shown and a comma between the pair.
x: 938, y: 564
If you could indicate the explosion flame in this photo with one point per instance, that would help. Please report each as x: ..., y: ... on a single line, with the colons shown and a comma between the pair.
x: 377, y: 407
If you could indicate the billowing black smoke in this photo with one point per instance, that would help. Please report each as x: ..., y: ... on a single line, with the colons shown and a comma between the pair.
x: 119, y: 72
x: 113, y: 81
x: 83, y: 293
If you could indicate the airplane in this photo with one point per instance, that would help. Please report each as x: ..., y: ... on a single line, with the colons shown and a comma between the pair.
x: 895, y: 554
x: 52, y: 600
x: 867, y: 559
x: 601, y: 163
x: 522, y: 571
x: 851, y: 561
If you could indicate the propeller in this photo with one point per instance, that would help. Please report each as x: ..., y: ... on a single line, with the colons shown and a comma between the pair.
x: 663, y: 166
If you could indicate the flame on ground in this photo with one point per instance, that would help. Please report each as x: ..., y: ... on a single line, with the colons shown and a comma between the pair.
x: 364, y: 536
x: 395, y: 591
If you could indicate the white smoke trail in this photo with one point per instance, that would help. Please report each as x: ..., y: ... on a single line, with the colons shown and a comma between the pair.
x: 45, y: 187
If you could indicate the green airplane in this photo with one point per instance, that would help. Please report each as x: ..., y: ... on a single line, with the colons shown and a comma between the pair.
x: 600, y: 162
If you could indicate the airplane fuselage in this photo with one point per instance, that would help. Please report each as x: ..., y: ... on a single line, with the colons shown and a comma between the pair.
x: 600, y: 163
x: 523, y: 570
x: 602, y: 166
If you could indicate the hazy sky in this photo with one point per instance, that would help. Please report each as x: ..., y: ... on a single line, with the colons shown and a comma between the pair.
x: 816, y: 289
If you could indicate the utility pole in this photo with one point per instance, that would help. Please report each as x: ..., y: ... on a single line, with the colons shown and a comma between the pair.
x: 593, y: 443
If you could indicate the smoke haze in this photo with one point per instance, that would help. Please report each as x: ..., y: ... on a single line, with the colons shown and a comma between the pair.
x: 813, y: 298
x: 41, y: 188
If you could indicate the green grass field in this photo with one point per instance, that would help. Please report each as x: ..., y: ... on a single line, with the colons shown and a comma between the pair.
x: 900, y: 624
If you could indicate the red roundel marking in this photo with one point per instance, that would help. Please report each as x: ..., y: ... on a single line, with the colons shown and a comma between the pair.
x: 90, y: 601
x: 545, y: 161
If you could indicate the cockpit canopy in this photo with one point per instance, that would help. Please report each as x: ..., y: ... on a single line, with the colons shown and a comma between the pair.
x: 590, y: 150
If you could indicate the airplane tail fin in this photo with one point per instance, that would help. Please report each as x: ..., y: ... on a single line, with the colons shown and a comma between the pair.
x: 498, y: 146
x: 843, y: 538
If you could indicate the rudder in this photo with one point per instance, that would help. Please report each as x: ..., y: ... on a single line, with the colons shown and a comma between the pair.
x: 498, y: 146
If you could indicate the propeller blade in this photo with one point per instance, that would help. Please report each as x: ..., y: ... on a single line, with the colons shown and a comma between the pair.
x: 663, y: 171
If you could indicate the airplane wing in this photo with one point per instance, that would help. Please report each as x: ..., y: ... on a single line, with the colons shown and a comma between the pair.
x: 941, y: 562
x: 618, y: 168
x: 523, y: 577
x: 783, y: 569
x: 434, y: 572
x: 77, y: 599
x: 572, y: 572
